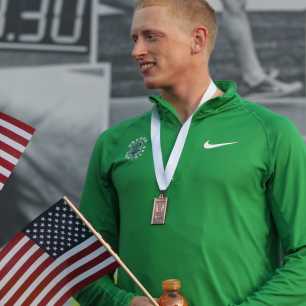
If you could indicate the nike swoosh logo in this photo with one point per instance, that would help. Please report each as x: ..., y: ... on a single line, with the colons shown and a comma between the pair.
x: 208, y: 146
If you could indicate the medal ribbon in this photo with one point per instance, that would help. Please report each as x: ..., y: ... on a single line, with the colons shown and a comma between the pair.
x: 163, y: 176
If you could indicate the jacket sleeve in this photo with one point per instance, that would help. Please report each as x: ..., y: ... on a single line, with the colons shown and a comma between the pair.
x: 99, y: 205
x: 287, y: 198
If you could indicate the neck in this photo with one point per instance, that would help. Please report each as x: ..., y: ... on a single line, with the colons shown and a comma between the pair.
x: 186, y: 98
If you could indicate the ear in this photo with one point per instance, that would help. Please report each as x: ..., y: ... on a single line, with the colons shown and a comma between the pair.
x: 199, y: 39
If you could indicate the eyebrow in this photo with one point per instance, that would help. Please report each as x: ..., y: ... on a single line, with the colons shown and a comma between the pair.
x: 149, y: 31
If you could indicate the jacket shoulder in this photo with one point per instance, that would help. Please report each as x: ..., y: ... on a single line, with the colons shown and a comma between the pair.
x: 123, y: 128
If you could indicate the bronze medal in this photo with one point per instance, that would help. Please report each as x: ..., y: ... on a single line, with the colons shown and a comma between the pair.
x: 159, y: 210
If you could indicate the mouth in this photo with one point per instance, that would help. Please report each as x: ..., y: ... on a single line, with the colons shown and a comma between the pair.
x: 145, y: 67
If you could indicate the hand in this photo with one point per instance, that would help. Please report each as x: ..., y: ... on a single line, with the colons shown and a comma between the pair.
x: 141, y: 301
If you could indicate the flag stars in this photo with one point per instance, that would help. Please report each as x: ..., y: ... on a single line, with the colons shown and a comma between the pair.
x: 58, y: 230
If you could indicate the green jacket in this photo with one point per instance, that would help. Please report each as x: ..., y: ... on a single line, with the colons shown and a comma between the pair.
x: 227, y: 206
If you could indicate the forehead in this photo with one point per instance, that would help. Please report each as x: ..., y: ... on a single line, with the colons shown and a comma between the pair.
x: 152, y: 17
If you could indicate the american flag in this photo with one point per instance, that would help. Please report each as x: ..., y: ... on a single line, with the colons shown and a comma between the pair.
x: 51, y: 259
x: 14, y: 137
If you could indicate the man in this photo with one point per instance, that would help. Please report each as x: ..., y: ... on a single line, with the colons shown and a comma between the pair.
x: 234, y: 180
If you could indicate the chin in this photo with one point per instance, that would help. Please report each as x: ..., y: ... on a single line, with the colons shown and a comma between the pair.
x: 153, y: 84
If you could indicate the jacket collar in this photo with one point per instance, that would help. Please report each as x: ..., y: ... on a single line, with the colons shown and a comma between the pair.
x: 215, y: 105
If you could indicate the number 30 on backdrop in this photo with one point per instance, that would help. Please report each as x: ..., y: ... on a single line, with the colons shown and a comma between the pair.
x: 53, y: 25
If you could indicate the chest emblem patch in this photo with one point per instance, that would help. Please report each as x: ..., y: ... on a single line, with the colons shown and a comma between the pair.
x: 136, y: 148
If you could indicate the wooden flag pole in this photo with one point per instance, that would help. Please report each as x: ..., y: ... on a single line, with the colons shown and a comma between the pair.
x: 108, y: 247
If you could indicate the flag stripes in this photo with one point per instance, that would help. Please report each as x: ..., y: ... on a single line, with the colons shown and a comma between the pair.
x: 6, y: 164
x: 12, y: 143
x: 30, y: 250
x: 8, y: 158
x: 3, y: 178
x: 85, y: 279
x: 5, y: 172
x: 29, y: 276
x: 14, y: 137
x: 11, y: 249
x: 22, y: 274
x: 82, y: 280
x: 70, y: 274
x: 14, y: 260
x: 13, y: 296
x: 9, y: 150
x: 16, y: 126
x: 55, y: 272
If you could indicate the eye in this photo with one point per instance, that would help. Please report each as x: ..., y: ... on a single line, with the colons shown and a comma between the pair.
x: 134, y: 38
x: 151, y: 37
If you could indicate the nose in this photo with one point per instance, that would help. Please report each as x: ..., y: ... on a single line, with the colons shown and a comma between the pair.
x: 139, y: 49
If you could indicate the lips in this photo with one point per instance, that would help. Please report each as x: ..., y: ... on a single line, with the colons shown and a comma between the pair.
x: 146, y: 66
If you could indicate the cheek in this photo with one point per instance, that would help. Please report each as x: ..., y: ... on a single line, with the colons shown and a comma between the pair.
x: 179, y: 60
